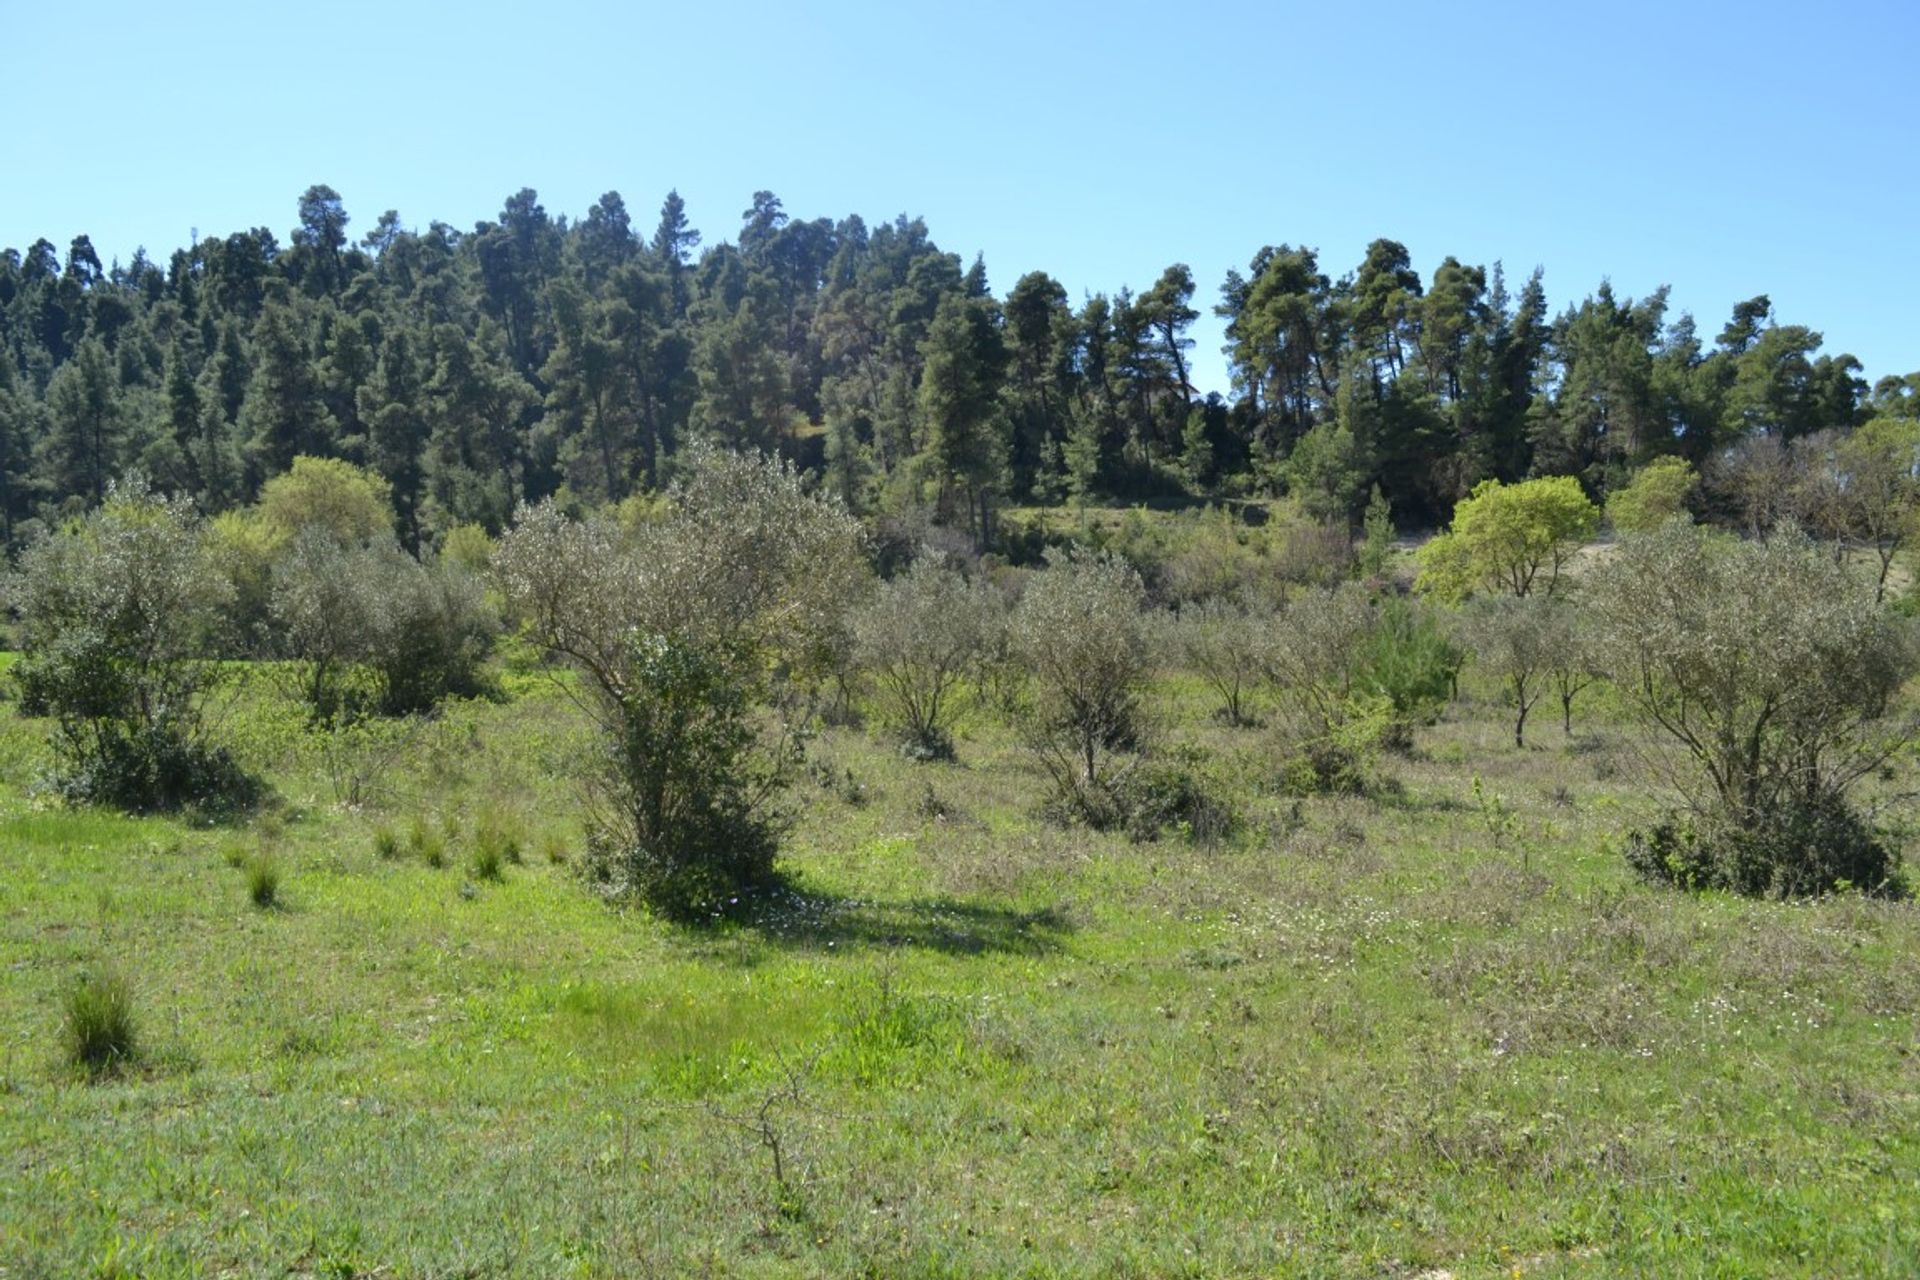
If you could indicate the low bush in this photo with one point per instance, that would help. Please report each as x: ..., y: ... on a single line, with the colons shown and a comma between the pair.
x: 1803, y: 847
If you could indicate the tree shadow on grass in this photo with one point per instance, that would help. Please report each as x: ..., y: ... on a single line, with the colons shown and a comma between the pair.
x: 789, y: 916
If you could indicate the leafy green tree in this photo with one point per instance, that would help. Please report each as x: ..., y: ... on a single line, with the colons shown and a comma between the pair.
x: 1509, y: 538
x: 1658, y: 493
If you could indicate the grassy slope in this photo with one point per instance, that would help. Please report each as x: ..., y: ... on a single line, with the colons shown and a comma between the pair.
x: 1358, y: 1040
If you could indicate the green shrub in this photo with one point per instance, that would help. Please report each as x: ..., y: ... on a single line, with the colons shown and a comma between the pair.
x: 1412, y: 662
x: 1178, y: 791
x: 99, y: 1025
x: 1805, y: 846
x: 119, y: 613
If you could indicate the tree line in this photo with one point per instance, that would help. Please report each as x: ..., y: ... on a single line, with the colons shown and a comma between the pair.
x: 538, y: 357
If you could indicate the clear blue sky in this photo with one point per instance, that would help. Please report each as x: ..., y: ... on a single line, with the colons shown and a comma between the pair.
x: 1725, y: 149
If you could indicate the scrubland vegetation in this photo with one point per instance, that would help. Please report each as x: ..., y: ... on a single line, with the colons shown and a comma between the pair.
x: 532, y: 753
x: 1193, y: 901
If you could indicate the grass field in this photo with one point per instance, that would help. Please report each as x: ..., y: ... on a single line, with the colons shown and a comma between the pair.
x: 1435, y: 1032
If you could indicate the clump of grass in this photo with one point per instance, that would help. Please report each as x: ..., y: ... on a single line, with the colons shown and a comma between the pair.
x: 99, y: 1024
x: 498, y: 837
x: 235, y: 855
x: 486, y: 860
x: 554, y: 846
x: 263, y: 882
x: 386, y: 844
x: 426, y: 844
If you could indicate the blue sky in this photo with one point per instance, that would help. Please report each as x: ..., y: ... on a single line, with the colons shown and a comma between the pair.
x: 1724, y: 149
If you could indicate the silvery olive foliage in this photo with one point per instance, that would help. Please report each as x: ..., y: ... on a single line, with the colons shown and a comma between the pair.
x: 1228, y: 642
x: 1771, y: 671
x: 923, y: 640
x: 370, y: 628
x: 678, y: 627
x: 1080, y: 634
x: 119, y: 613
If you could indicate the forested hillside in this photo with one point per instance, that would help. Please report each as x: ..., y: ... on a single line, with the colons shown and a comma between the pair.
x: 537, y: 355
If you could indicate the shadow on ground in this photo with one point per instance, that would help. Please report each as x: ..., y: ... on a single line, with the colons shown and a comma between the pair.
x: 792, y: 917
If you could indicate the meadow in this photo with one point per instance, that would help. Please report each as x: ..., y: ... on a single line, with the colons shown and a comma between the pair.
x: 1435, y: 1031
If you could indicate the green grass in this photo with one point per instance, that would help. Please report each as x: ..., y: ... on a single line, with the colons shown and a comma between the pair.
x: 1362, y: 1037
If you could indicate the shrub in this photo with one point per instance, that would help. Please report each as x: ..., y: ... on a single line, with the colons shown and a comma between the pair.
x: 1335, y: 726
x: 1080, y: 635
x: 1226, y: 642
x: 1814, y: 844
x: 1412, y: 662
x: 1657, y: 493
x: 1178, y: 790
x: 119, y: 613
x: 678, y: 628
x: 923, y: 639
x: 99, y: 1026
x: 372, y: 629
x: 1772, y: 672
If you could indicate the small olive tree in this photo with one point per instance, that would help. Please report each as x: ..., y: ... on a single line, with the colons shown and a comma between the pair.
x: 678, y: 627
x: 923, y: 639
x: 1513, y: 640
x: 368, y: 628
x: 1227, y: 641
x: 1082, y: 638
x: 1772, y: 673
x: 1319, y: 655
x: 119, y: 614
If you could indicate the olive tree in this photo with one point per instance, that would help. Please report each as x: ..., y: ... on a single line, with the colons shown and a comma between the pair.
x: 1771, y: 674
x: 118, y: 618
x: 1316, y: 666
x: 368, y: 628
x: 1082, y: 638
x: 923, y: 639
x: 1513, y: 638
x: 1227, y: 641
x: 677, y: 628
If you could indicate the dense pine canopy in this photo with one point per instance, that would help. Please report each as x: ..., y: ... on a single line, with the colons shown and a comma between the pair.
x: 538, y: 356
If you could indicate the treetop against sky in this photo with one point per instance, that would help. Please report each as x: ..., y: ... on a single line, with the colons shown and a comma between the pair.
x: 1725, y: 150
